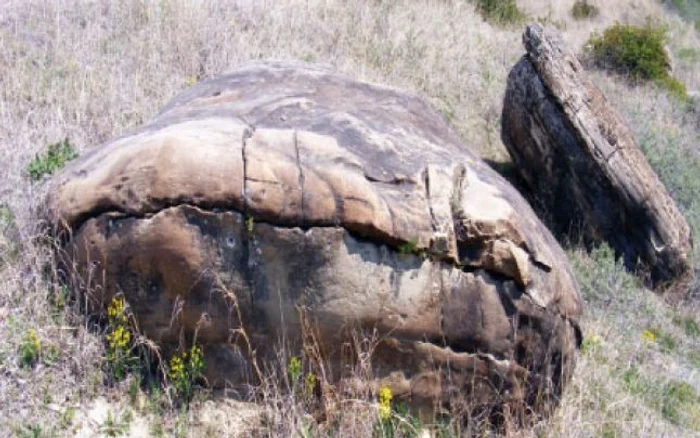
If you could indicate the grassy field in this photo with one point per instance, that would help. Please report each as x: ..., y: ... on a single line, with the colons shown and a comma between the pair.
x: 88, y: 71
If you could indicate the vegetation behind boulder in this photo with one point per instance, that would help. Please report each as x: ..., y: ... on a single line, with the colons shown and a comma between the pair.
x: 500, y: 11
x: 53, y: 159
x: 582, y: 10
x: 637, y: 52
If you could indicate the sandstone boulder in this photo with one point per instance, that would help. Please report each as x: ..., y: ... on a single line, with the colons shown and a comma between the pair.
x: 580, y: 160
x: 282, y: 205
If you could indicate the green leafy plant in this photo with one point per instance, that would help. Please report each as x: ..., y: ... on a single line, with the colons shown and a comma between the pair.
x: 582, y: 9
x: 500, y: 11
x: 411, y: 247
x: 637, y: 52
x: 185, y: 370
x: 55, y: 157
x: 29, y: 349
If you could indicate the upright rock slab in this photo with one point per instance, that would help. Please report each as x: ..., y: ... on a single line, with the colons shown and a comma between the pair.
x: 283, y: 205
x: 579, y: 158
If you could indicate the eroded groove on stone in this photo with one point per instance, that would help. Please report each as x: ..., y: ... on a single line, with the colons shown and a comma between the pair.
x: 247, y: 135
x: 301, y: 177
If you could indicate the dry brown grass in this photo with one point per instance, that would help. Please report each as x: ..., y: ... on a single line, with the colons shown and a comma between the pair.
x: 91, y: 71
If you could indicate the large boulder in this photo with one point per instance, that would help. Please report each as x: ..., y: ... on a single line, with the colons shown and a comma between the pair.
x: 579, y: 159
x: 282, y: 205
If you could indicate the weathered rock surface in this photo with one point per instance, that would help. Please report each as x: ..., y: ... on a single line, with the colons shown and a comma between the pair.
x: 579, y: 158
x: 280, y: 205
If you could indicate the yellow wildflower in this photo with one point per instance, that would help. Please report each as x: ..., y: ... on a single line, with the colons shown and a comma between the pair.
x: 185, y: 369
x: 33, y: 339
x: 310, y: 383
x: 119, y: 338
x: 649, y: 336
x: 115, y: 311
x: 196, y: 362
x: 294, y: 368
x: 177, y: 368
x: 385, y: 397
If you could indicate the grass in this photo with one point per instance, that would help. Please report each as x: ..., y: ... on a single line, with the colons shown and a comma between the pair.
x: 671, y: 152
x: 677, y: 401
x: 87, y: 72
x: 116, y: 424
x: 689, y: 326
x: 687, y: 9
x: 637, y: 358
x: 8, y: 235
